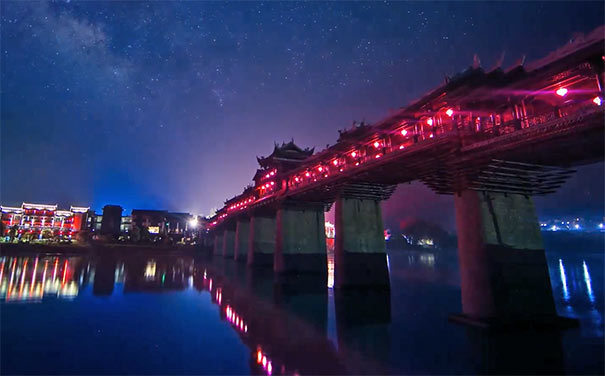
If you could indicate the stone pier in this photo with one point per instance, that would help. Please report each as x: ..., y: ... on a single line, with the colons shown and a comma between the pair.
x: 228, y: 243
x: 218, y: 244
x: 261, y: 244
x: 242, y: 238
x: 300, y: 245
x: 360, y: 252
x: 503, y: 269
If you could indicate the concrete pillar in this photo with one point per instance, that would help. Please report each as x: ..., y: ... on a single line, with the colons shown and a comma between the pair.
x: 261, y: 245
x: 300, y: 245
x: 503, y: 269
x: 242, y: 237
x: 218, y: 243
x: 228, y: 243
x: 360, y: 250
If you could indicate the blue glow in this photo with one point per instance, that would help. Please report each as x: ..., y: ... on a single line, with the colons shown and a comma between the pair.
x: 563, y: 281
x: 588, y: 282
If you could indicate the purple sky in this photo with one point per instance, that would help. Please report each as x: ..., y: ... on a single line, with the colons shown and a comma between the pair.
x: 167, y: 104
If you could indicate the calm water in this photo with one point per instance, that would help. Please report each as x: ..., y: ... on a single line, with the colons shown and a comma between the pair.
x: 162, y: 314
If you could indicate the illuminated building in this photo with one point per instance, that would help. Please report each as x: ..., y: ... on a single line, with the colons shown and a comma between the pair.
x: 162, y: 222
x: 41, y: 220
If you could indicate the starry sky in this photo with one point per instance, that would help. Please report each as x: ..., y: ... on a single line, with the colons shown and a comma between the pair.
x: 167, y: 104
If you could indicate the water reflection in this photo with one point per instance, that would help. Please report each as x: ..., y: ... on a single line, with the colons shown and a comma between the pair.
x: 291, y: 327
x: 587, y: 281
x: 26, y: 279
x: 563, y: 280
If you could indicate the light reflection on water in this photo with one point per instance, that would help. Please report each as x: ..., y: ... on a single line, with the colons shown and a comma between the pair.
x: 26, y: 279
x: 563, y: 280
x: 424, y: 284
x: 587, y: 280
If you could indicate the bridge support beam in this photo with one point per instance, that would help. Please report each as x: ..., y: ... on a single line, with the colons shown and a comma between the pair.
x: 503, y: 269
x: 300, y: 245
x: 218, y: 243
x: 261, y: 245
x: 242, y: 238
x: 228, y: 243
x: 360, y: 251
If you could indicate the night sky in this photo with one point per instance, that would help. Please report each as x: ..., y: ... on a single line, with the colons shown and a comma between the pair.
x: 167, y: 104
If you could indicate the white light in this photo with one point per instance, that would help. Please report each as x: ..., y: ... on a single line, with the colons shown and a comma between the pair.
x: 449, y: 112
x: 600, y: 225
x: 561, y: 92
x: 193, y: 223
x: 597, y: 100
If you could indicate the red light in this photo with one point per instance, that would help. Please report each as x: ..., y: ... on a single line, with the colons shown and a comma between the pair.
x: 597, y: 100
x: 431, y: 136
x: 378, y: 156
x: 402, y: 147
x: 335, y: 162
x: 272, y: 183
x: 429, y: 121
x: 404, y: 132
x: 320, y: 169
x: 561, y: 92
x: 296, y: 179
x: 376, y: 144
x: 449, y: 112
x: 307, y: 174
x: 259, y: 356
x: 353, y: 154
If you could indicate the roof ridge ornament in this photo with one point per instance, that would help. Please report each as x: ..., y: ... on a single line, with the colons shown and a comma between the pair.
x: 476, y: 61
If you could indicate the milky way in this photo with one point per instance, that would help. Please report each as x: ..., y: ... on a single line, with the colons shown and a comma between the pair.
x: 166, y: 104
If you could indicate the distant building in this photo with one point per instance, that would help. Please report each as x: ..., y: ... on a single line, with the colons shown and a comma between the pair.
x: 162, y: 222
x: 126, y: 224
x: 43, y: 220
x: 112, y: 220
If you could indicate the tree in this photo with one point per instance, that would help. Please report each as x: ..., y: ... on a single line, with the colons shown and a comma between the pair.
x: 12, y: 233
x: 135, y: 233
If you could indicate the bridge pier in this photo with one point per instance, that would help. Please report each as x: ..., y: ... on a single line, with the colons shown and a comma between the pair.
x: 261, y: 245
x: 242, y: 238
x: 300, y: 245
x: 503, y: 269
x: 360, y: 250
x: 218, y: 244
x: 228, y: 243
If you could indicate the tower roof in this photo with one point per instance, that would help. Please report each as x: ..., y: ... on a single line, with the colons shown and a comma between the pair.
x: 285, y: 155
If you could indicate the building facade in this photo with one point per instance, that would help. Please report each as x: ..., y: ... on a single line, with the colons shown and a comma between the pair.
x: 39, y: 221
